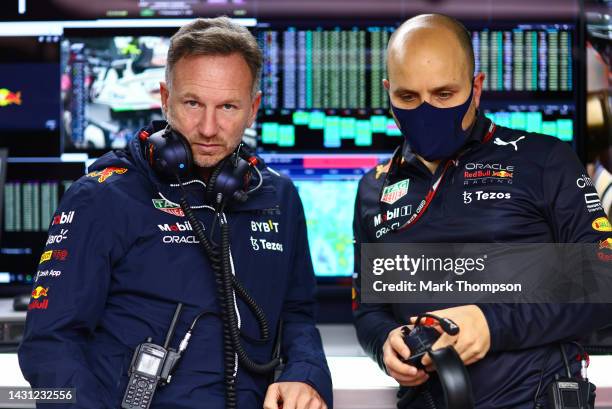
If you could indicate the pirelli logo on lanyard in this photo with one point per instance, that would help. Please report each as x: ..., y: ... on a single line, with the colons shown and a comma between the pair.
x: 427, y: 200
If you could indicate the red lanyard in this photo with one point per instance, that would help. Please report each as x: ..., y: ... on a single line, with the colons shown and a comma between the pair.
x: 420, y: 210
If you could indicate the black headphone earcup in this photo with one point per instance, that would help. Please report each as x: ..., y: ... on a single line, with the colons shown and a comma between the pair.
x: 228, y: 180
x: 169, y: 154
x: 454, y: 378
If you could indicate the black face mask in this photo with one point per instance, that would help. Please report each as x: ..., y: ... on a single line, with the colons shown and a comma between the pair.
x: 433, y: 133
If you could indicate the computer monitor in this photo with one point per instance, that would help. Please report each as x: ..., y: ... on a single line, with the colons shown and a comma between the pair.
x: 3, y: 162
x: 327, y: 186
x: 34, y: 10
x: 30, y: 95
x: 322, y: 83
x: 32, y: 193
x: 110, y: 86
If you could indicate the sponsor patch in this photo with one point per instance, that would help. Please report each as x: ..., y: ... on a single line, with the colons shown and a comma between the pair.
x: 8, y: 97
x: 403, y: 211
x: 513, y: 143
x: 593, y: 204
x: 63, y: 218
x: 104, y: 174
x: 605, y: 244
x: 396, y: 191
x: 584, y: 181
x: 263, y: 244
x: 469, y: 197
x: 178, y: 226
x: 168, y: 207
x: 59, y: 255
x: 601, y: 224
x: 383, y: 168
x: 40, y: 291
x: 36, y: 303
x: 264, y: 227
x: 484, y: 173
x: 180, y: 240
x: 47, y: 273
x: 57, y: 238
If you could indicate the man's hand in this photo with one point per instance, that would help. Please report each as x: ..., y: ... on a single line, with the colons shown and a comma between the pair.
x: 473, y: 340
x: 404, y: 374
x: 293, y: 395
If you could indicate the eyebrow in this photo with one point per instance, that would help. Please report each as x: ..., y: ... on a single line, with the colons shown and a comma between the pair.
x: 191, y: 95
x: 445, y: 87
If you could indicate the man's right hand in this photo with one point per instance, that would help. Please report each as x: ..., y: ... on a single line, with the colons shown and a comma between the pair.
x: 393, y: 349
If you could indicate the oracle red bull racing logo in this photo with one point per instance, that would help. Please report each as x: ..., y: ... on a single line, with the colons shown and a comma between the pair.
x: 483, y: 173
x: 39, y: 292
x: 102, y: 175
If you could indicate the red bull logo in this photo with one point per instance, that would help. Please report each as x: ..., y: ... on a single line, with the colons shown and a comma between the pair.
x: 502, y: 174
x: 38, y: 305
x: 605, y: 244
x: 40, y: 291
x: 9, y: 98
x: 102, y: 175
x: 383, y: 168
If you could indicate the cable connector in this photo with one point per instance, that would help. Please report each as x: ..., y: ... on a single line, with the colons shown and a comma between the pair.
x: 184, y: 342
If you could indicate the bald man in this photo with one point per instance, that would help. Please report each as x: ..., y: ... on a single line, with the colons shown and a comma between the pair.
x: 533, y: 197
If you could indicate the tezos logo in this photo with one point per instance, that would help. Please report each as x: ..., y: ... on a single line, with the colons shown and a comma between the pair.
x: 480, y: 195
x: 265, y: 245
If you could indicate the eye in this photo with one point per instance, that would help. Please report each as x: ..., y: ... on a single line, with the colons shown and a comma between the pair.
x: 228, y: 107
x: 445, y: 94
x: 407, y: 97
x: 192, y: 104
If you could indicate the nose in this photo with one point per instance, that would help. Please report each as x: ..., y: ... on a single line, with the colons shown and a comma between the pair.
x: 208, y: 125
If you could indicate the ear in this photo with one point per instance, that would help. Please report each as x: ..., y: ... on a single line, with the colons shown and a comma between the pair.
x: 164, y: 92
x: 478, y: 84
x: 386, y: 84
x: 254, y: 108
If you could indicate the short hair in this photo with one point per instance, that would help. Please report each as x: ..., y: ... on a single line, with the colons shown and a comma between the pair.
x: 455, y: 26
x: 215, y: 36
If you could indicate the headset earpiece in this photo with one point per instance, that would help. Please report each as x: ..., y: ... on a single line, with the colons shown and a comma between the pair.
x: 229, y: 179
x: 169, y: 154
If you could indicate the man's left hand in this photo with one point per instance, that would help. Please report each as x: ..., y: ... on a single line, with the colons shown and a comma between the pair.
x: 293, y: 395
x: 473, y: 340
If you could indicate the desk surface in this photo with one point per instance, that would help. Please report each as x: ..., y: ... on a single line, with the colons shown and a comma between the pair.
x: 370, y: 388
